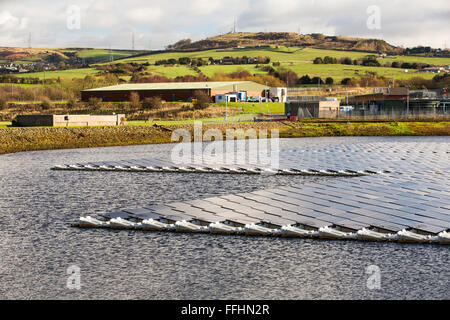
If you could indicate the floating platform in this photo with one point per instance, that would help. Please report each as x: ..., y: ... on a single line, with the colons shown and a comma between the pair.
x: 394, y: 190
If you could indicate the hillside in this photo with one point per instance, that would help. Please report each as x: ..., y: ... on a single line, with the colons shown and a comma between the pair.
x: 289, y: 39
x: 14, y: 54
x: 85, y: 55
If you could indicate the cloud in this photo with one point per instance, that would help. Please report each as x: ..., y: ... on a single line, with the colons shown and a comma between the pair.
x: 10, y: 22
x: 111, y: 22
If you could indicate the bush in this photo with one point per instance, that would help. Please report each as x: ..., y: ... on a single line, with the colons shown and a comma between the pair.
x: 94, y: 102
x: 152, y: 103
x: 72, y: 103
x: 46, y: 103
x: 202, y: 100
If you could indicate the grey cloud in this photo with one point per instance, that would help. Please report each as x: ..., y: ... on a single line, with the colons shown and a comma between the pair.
x: 106, y: 22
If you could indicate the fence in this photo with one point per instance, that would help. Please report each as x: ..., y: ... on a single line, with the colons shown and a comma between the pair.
x: 413, y: 112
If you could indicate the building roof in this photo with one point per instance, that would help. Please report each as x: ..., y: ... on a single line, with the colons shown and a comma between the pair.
x: 223, y: 85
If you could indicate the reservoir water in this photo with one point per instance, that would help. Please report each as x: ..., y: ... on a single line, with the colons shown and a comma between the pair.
x: 37, y: 244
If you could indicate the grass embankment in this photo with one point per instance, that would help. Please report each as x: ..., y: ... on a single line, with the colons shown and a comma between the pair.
x: 28, y: 139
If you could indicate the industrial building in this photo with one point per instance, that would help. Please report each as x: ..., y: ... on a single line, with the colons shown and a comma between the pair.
x: 174, y: 91
x: 43, y: 120
x: 312, y: 108
x: 398, y: 102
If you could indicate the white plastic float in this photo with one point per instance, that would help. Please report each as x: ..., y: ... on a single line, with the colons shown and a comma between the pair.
x: 60, y: 167
x: 224, y: 228
x: 89, y: 222
x: 155, y: 225
x: 254, y: 229
x: 333, y: 233
x: 91, y: 168
x: 119, y: 223
x: 185, y: 226
x: 296, y: 232
x: 410, y: 236
x: 152, y: 169
x: 106, y: 168
x: 444, y: 237
x: 370, y: 235
x: 75, y: 167
x: 121, y: 168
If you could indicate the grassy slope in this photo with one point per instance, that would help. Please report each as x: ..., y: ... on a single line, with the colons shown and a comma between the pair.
x: 63, y: 74
x: 27, y: 139
x: 298, y: 60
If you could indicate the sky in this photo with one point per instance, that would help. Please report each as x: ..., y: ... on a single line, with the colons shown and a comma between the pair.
x: 158, y: 23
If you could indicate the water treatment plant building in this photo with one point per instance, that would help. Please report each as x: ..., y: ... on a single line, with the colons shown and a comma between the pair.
x: 173, y: 91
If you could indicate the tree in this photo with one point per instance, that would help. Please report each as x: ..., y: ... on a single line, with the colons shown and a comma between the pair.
x: 329, y: 81
x: 316, y: 80
x: 346, y: 60
x: 329, y: 60
x: 370, y: 61
x: 304, y: 80
x: 318, y: 60
x: 290, y: 77
x: 346, y: 81
x: 135, y: 100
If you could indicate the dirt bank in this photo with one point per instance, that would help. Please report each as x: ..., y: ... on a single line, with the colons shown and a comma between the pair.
x: 28, y: 139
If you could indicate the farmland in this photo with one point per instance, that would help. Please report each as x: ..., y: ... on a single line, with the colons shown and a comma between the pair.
x: 299, y: 60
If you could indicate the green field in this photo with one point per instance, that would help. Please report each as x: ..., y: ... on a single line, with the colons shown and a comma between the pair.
x: 63, y: 74
x: 100, y: 55
x: 172, y: 72
x: 340, y: 71
x: 299, y: 60
x: 256, y: 107
x: 22, y: 85
x: 296, y: 55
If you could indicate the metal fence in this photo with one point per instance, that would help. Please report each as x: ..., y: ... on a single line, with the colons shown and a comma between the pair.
x: 377, y: 112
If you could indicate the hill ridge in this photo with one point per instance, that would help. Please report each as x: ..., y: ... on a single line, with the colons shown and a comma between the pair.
x: 289, y: 39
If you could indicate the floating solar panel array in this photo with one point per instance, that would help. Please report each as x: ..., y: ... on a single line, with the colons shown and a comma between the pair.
x: 157, y: 165
x: 407, y: 200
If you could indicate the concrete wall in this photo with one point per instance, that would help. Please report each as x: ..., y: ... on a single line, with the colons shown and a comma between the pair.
x: 69, y: 120
x: 88, y: 120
